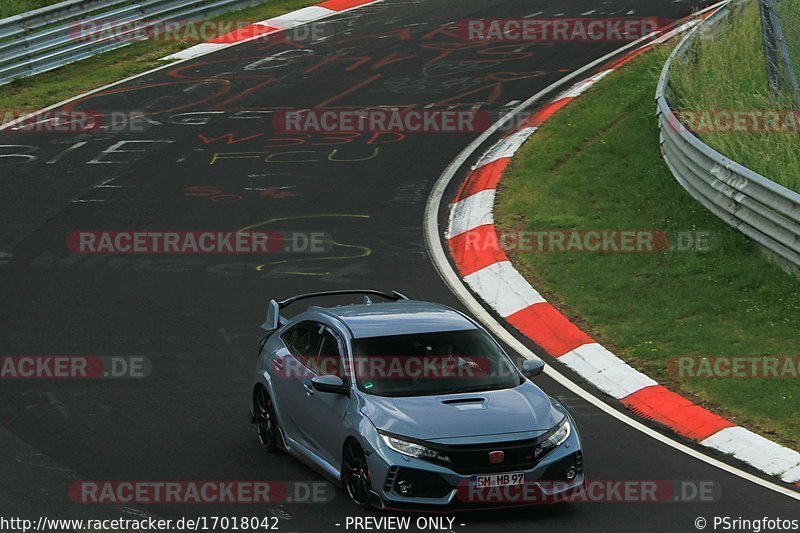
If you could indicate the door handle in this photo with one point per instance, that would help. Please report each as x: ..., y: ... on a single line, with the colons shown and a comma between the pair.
x: 309, y: 389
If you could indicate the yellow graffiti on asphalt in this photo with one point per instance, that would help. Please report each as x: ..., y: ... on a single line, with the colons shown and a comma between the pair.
x: 362, y: 251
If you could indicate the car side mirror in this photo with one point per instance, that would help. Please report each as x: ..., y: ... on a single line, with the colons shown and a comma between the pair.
x: 532, y: 367
x: 330, y: 384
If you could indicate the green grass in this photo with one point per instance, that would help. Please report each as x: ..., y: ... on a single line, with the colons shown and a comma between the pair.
x: 727, y: 71
x: 597, y: 165
x: 14, y: 7
x: 51, y: 87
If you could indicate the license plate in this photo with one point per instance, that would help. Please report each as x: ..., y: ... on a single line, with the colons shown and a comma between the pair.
x: 498, y: 480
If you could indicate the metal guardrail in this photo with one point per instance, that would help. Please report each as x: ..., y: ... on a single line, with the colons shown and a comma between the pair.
x: 766, y: 212
x: 51, y: 37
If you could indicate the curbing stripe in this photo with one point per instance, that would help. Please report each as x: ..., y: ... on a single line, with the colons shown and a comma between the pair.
x: 627, y: 59
x: 548, y: 328
x: 754, y: 449
x: 471, y: 252
x: 486, y: 177
x: 682, y: 28
x: 606, y: 371
x: 502, y: 287
x: 541, y: 116
x: 584, y: 86
x: 342, y: 5
x: 301, y: 16
x: 242, y: 34
x: 673, y: 410
x: 792, y: 476
x: 507, y: 146
x: 484, y: 266
x: 269, y: 26
x: 196, y: 50
x: 471, y: 212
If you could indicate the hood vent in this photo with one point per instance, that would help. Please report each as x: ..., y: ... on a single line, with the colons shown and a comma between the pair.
x: 467, y: 404
x: 464, y: 400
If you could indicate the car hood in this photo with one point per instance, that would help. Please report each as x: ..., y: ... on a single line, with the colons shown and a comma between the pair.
x: 523, y: 409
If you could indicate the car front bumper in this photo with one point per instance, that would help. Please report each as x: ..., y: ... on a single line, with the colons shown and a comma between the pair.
x: 437, y: 488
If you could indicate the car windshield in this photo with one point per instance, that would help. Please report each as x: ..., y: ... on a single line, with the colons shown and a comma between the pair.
x: 432, y: 364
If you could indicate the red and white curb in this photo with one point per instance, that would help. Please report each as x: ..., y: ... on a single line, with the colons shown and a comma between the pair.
x: 270, y: 26
x: 488, y: 272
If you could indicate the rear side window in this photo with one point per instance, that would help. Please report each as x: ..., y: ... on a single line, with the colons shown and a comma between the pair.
x: 330, y: 361
x: 303, y: 340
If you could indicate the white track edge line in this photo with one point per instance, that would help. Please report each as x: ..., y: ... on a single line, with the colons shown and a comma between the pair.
x: 456, y: 284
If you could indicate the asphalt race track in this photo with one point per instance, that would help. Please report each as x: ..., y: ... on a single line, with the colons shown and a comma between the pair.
x: 211, y: 160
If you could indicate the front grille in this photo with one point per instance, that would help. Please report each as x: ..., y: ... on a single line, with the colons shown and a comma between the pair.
x: 474, y: 459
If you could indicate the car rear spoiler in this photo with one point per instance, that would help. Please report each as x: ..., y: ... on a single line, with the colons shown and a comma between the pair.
x: 274, y: 319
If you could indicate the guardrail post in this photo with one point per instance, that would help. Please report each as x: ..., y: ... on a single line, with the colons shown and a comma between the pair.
x: 770, y: 48
x: 26, y: 46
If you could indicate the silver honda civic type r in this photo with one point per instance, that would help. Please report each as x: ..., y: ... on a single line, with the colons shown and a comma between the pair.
x: 410, y: 405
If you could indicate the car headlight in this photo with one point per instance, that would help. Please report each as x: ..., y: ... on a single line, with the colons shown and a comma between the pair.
x: 556, y: 438
x: 413, y: 449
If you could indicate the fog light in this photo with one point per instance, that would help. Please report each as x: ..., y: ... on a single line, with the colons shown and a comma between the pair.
x: 571, y: 473
x: 405, y: 488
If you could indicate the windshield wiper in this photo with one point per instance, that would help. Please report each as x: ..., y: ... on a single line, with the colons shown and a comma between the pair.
x: 480, y: 388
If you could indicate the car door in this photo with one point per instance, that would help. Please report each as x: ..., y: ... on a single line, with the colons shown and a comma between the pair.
x: 291, y: 375
x: 325, y: 412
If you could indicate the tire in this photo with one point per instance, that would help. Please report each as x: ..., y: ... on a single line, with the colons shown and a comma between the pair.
x: 355, y: 475
x: 266, y: 424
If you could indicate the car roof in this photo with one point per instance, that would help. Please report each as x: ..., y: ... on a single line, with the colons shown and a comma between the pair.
x: 399, y: 318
